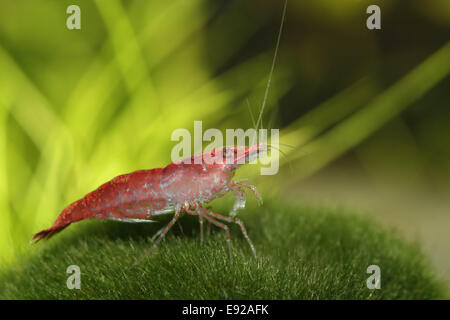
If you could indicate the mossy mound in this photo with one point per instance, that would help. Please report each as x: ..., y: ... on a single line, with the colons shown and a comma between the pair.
x: 303, y: 253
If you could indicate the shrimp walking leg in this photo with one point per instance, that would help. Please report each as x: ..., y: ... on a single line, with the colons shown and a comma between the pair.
x: 200, y: 221
x: 157, y: 234
x: 238, y: 222
x: 161, y: 234
x: 203, y: 213
x: 251, y: 187
x: 227, y: 232
x: 195, y: 212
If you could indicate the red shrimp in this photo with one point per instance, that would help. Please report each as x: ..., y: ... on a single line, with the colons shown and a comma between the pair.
x: 179, y: 187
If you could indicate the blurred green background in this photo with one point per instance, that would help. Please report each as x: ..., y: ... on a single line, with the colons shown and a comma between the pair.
x: 368, y: 111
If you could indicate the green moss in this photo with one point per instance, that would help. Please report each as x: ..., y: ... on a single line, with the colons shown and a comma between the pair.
x: 303, y: 253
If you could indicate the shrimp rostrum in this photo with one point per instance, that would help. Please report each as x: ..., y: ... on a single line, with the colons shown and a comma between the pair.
x: 179, y: 188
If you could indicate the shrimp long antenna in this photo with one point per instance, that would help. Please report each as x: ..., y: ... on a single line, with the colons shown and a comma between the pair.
x: 251, y: 113
x: 276, y: 148
x: 266, y: 93
x: 287, y: 145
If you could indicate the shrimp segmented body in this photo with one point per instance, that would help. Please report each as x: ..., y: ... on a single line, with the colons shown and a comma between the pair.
x: 181, y: 187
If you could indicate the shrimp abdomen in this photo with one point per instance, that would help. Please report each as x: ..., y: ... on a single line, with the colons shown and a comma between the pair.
x: 70, y: 214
